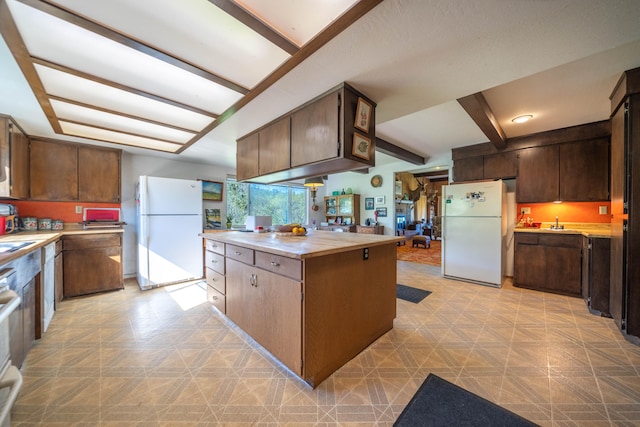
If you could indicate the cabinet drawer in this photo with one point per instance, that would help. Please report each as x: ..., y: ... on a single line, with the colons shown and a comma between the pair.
x: 280, y: 265
x: 562, y: 241
x: 90, y: 241
x: 214, y: 261
x: 214, y: 246
x: 239, y: 253
x: 216, y: 280
x: 217, y: 299
x: 526, y: 238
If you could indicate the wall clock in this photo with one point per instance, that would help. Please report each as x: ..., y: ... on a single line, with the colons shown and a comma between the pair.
x: 376, y: 181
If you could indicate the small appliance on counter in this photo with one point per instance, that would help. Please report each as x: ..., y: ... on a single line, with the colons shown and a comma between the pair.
x: 101, y: 218
x: 9, y: 216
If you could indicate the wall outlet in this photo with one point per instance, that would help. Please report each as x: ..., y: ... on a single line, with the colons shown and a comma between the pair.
x: 78, y: 209
x: 602, y: 210
x: 525, y: 211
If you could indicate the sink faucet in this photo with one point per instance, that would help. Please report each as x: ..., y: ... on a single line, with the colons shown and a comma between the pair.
x: 556, y: 222
x: 557, y: 227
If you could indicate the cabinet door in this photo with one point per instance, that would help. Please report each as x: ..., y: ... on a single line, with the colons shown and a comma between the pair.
x: 275, y: 147
x: 247, y: 157
x: 239, y: 278
x: 58, y: 278
x: 529, y: 265
x: 331, y: 206
x: 315, y: 131
x: 53, y: 171
x: 469, y: 169
x: 87, y: 271
x: 584, y: 171
x: 98, y: 175
x: 537, y: 175
x: 564, y: 270
x: 19, y: 147
x: 29, y: 319
x: 501, y: 165
x: 345, y: 205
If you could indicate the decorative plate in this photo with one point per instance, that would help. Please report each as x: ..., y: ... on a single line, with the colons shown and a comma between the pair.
x: 376, y: 181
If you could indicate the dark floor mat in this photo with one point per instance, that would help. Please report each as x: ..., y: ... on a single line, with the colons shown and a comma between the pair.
x: 410, y: 294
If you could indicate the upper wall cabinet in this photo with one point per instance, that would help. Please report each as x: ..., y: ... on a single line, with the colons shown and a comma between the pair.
x: 317, y: 138
x: 14, y: 160
x: 490, y: 166
x: 72, y: 172
x: 537, y: 175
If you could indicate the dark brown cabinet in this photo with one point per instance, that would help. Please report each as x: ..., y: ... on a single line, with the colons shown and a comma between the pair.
x: 98, y: 175
x: 548, y: 262
x: 501, y: 165
x: 538, y: 175
x: 584, y: 171
x: 14, y: 160
x: 69, y: 172
x: 469, y: 169
x: 58, y: 276
x: 247, y: 155
x: 91, y: 263
x: 595, y: 274
x: 625, y: 194
x: 314, y: 139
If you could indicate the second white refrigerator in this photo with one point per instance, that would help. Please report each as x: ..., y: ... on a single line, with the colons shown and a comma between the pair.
x: 169, y: 219
x: 474, y: 224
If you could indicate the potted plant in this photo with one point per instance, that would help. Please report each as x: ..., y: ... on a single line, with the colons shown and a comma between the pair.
x: 229, y: 220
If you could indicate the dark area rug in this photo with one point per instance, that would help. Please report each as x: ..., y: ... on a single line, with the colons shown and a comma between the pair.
x: 410, y: 294
x: 441, y: 403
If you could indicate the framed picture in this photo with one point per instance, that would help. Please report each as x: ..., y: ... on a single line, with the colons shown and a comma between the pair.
x: 368, y: 203
x: 363, y: 115
x: 361, y: 146
x: 211, y: 191
x: 381, y: 212
x: 379, y: 200
x: 212, y: 217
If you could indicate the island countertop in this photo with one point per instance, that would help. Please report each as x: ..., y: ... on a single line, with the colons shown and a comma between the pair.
x: 316, y: 243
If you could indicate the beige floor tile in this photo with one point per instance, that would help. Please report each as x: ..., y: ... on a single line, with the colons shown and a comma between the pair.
x: 140, y: 358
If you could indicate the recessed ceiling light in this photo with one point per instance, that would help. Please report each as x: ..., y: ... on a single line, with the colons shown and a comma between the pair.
x: 522, y: 119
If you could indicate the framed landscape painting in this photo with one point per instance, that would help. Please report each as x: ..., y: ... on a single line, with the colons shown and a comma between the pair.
x: 212, y: 191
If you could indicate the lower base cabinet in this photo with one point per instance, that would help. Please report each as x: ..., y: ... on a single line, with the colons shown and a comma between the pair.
x: 91, y: 263
x: 549, y: 262
x: 595, y: 274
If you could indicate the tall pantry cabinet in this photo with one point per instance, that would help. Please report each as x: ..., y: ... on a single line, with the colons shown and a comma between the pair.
x: 625, y: 196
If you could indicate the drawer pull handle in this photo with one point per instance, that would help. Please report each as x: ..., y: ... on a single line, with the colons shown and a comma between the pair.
x: 252, y: 280
x: 275, y: 264
x: 238, y: 253
x: 215, y: 298
x: 213, y: 261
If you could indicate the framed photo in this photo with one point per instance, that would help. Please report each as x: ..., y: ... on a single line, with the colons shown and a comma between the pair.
x: 368, y: 203
x: 379, y: 200
x: 212, y: 191
x: 361, y: 146
x: 363, y: 115
x: 381, y: 212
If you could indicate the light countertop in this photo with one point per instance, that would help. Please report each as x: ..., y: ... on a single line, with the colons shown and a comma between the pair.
x: 584, y: 229
x: 315, y: 243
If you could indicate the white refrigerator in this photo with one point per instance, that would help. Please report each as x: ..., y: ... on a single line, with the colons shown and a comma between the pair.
x: 169, y: 219
x: 474, y: 228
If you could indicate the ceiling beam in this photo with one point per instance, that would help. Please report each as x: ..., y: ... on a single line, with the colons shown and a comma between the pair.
x: 257, y: 25
x: 339, y: 25
x: 478, y: 109
x: 392, y: 150
x: 72, y: 18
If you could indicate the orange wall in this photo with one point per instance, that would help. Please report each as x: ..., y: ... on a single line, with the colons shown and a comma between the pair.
x: 567, y: 212
x: 66, y: 211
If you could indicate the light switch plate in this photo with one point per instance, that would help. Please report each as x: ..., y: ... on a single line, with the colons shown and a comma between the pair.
x: 525, y: 211
x: 78, y: 209
x: 602, y: 210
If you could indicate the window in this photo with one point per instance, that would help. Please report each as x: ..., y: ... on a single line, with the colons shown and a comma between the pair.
x: 284, y: 203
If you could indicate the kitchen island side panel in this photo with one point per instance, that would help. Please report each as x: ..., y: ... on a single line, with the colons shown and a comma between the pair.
x: 349, y: 302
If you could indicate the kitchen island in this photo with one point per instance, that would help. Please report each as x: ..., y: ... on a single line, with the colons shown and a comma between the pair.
x: 314, y: 302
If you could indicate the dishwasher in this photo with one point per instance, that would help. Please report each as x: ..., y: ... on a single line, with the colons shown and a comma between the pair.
x: 10, y: 377
x: 47, y: 298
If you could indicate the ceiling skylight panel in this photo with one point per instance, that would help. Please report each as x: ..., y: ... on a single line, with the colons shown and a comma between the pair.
x: 83, y: 131
x: 77, y: 113
x: 298, y: 20
x: 89, y: 92
x: 65, y: 44
x: 193, y: 30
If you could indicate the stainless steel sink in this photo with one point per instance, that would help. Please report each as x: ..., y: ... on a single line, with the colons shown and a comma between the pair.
x: 12, y: 246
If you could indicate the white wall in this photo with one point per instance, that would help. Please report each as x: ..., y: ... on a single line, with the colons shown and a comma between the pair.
x: 134, y: 166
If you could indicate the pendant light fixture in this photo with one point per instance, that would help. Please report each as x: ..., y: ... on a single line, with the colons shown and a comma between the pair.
x: 314, y: 183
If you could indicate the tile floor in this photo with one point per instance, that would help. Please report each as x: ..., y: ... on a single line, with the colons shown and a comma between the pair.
x: 164, y: 357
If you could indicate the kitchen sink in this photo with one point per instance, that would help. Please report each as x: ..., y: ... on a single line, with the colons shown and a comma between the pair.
x: 13, y: 246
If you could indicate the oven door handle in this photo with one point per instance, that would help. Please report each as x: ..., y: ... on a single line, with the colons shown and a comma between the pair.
x: 12, y: 378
